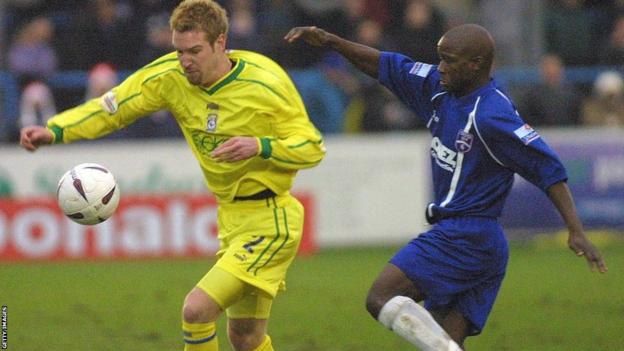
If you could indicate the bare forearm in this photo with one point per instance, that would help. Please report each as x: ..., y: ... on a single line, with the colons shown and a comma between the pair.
x: 578, y: 242
x: 365, y: 58
x: 561, y: 197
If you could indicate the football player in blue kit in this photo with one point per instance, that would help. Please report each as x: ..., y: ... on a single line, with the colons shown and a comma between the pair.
x: 478, y: 143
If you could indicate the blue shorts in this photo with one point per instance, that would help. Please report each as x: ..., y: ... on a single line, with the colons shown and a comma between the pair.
x: 459, y: 262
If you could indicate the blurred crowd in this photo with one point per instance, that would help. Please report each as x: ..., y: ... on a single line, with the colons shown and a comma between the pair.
x: 96, y: 43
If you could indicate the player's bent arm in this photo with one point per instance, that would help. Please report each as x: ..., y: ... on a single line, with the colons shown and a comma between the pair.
x: 560, y: 195
x: 293, y: 152
x: 365, y: 58
x: 294, y: 142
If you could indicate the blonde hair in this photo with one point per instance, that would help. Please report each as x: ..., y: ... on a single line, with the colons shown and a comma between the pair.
x: 203, y: 15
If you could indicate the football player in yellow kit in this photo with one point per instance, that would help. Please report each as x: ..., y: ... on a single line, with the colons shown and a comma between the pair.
x: 247, y: 126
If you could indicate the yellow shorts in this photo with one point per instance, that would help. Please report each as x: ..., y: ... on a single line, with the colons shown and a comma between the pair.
x: 237, y: 298
x: 259, y: 240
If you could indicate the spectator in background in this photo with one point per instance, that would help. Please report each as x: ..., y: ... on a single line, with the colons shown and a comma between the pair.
x: 107, y: 33
x: 356, y: 11
x: 378, y: 109
x: 617, y: 8
x: 518, y: 41
x: 5, y: 123
x: 420, y: 28
x: 613, y: 51
x: 2, y: 35
x: 569, y: 32
x: 36, y: 105
x: 313, y: 72
x: 552, y: 102
x: 102, y: 78
x: 276, y: 17
x: 243, y: 26
x: 323, y: 97
x: 32, y: 59
x: 147, y: 8
x: 606, y: 105
x: 31, y: 55
x: 158, y: 38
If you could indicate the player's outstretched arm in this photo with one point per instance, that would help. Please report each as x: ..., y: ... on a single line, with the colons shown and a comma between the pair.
x: 578, y: 242
x: 32, y: 137
x: 365, y: 58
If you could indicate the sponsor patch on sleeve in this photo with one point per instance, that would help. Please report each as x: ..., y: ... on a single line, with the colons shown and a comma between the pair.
x: 108, y: 102
x: 526, y: 134
x: 420, y: 69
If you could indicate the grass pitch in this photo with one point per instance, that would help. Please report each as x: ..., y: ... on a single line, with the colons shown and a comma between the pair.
x: 549, y: 301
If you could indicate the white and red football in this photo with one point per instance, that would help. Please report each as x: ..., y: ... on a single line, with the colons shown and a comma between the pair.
x: 88, y: 193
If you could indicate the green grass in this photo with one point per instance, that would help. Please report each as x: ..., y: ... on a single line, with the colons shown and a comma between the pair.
x: 549, y: 301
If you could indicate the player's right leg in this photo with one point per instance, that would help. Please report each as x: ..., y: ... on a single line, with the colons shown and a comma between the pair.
x: 259, y: 240
x: 392, y: 300
x: 216, y: 291
x: 248, y: 320
x: 199, y: 316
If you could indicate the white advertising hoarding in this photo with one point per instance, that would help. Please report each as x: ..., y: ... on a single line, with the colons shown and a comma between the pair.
x: 367, y: 191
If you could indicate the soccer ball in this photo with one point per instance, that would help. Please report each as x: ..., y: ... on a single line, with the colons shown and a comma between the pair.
x: 88, y: 194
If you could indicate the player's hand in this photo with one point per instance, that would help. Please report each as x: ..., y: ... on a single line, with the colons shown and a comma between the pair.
x: 582, y: 247
x: 32, y: 137
x: 236, y: 149
x: 311, y: 35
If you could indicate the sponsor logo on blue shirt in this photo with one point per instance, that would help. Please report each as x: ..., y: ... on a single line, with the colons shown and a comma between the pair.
x: 526, y: 134
x: 443, y: 156
x: 420, y: 69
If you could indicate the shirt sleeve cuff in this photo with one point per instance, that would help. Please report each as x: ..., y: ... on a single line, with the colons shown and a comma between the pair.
x: 265, y: 148
x: 57, y: 134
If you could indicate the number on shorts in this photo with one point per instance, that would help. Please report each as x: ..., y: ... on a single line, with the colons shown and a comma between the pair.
x: 249, y: 246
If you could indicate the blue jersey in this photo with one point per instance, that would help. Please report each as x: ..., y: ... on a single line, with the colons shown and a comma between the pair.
x: 479, y: 141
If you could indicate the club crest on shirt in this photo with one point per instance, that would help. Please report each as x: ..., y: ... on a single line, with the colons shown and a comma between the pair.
x: 213, y: 113
x: 463, y: 142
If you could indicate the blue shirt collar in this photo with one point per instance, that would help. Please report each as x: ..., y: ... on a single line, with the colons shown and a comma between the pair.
x: 475, y: 93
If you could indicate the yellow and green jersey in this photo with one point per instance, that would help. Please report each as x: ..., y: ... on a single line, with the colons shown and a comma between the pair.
x: 256, y: 98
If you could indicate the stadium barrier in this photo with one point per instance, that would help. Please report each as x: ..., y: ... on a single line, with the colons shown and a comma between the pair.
x: 357, y: 196
x: 369, y: 190
x: 144, y: 226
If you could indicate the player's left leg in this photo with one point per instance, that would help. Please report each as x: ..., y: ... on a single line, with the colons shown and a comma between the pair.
x: 390, y: 282
x: 392, y: 300
x: 216, y: 291
x: 454, y: 323
x: 248, y: 319
x: 248, y: 334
